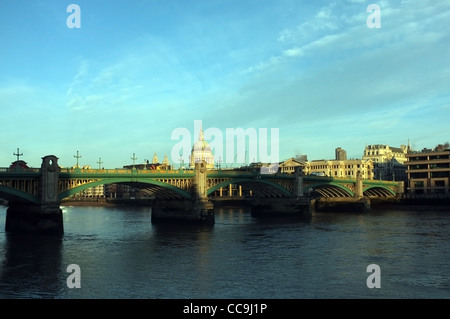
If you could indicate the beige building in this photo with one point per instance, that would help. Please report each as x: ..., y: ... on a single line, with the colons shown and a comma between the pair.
x: 340, y: 169
x: 289, y: 165
x: 428, y: 172
x: 383, y: 153
x: 388, y: 162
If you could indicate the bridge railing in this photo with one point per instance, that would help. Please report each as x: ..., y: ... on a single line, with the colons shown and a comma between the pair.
x: 122, y: 171
x: 18, y: 170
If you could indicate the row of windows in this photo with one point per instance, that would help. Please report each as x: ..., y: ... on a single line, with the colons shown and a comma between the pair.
x: 430, y: 166
x: 338, y: 166
x: 427, y: 158
x: 347, y: 173
x: 432, y: 175
x: 436, y: 184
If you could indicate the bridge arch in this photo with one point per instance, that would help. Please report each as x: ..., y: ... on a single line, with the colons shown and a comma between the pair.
x: 8, y: 193
x: 106, y: 181
x: 330, y: 189
x: 378, y: 191
x: 283, y: 190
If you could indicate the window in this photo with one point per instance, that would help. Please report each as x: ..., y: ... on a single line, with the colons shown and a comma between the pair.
x: 440, y: 174
x: 419, y: 175
x: 439, y: 165
x: 418, y: 184
x: 439, y: 183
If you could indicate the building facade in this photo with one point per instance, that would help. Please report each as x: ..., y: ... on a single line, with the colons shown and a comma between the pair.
x: 289, y: 165
x: 388, y: 162
x: 340, y: 169
x: 428, y: 172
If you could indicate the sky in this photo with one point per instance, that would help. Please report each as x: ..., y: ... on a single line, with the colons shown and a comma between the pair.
x: 136, y: 72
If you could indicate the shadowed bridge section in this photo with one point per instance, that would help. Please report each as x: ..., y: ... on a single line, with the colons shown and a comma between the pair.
x: 33, y: 195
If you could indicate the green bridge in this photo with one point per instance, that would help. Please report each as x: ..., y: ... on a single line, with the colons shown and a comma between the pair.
x: 35, y: 193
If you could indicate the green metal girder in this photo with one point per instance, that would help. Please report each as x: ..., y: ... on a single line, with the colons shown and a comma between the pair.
x: 18, y: 194
x: 106, y: 181
x: 351, y: 193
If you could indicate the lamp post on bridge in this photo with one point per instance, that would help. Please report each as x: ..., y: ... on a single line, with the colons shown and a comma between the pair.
x: 77, y: 157
x: 99, y: 163
x: 18, y: 154
x: 134, y: 158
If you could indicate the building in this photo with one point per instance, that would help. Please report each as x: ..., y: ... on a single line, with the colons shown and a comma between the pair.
x: 428, y: 171
x: 388, y: 162
x: 96, y: 191
x: 340, y: 169
x: 340, y: 154
x: 201, y: 151
x: 289, y: 165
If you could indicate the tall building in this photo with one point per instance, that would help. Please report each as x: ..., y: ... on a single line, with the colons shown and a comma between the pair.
x: 341, y: 154
x: 388, y: 162
x: 428, y: 172
x: 201, y: 151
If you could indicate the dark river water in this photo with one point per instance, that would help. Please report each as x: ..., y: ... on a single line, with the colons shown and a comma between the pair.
x: 121, y: 254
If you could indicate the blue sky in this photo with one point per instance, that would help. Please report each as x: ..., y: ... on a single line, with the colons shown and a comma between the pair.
x: 137, y: 70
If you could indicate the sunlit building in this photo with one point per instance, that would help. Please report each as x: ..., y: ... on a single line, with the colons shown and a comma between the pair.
x: 388, y: 162
x: 340, y: 169
x: 428, y: 172
x: 289, y: 165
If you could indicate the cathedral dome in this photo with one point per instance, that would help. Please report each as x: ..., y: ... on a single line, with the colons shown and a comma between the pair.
x: 201, y: 151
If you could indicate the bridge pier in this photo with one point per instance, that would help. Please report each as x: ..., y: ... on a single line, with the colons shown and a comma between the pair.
x: 31, y: 218
x: 343, y: 204
x: 198, y: 209
x: 298, y: 205
x: 44, y: 217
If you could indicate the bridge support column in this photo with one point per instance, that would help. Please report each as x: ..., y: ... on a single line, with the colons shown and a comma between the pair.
x: 297, y: 189
x: 198, y: 209
x: 43, y: 217
x: 296, y: 206
x: 400, y: 189
x: 359, y: 186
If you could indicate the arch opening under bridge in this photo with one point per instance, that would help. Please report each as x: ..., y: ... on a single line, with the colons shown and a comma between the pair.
x: 330, y: 189
x: 258, y: 187
x: 156, y: 188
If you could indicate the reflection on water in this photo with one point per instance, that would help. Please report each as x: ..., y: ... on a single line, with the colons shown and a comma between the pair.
x: 31, y: 266
x: 121, y: 254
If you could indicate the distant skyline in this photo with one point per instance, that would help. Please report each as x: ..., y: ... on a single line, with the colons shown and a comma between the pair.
x: 137, y: 70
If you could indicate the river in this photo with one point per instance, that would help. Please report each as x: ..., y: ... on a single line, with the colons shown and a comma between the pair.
x: 121, y: 254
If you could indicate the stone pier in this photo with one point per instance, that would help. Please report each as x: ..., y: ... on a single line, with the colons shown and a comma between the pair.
x: 357, y: 203
x: 298, y: 205
x: 45, y: 216
x: 198, y: 209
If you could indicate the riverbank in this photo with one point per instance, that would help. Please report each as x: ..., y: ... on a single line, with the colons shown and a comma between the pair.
x: 416, y: 204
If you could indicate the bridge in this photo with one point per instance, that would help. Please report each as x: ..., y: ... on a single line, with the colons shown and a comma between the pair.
x: 34, y: 195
